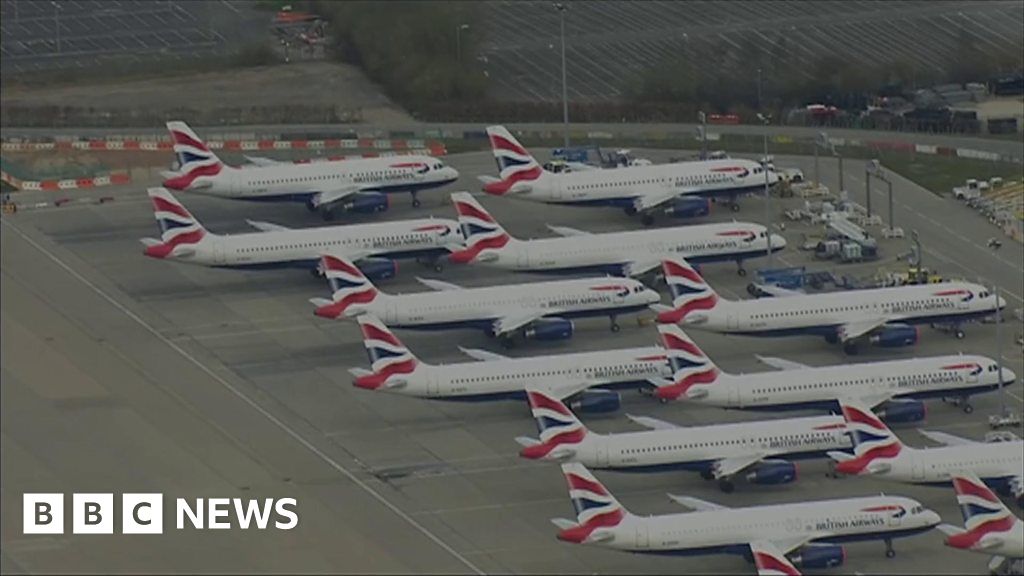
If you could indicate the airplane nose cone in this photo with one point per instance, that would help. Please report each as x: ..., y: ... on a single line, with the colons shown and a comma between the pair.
x: 451, y: 173
x: 1000, y: 302
x: 778, y: 242
x: 1009, y: 377
x: 930, y: 518
x: 651, y: 296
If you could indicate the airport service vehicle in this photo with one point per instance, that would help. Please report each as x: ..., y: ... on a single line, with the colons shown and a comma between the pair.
x: 374, y: 247
x: 396, y: 370
x: 894, y: 388
x: 989, y: 527
x: 880, y: 316
x: 761, y: 452
x: 672, y: 189
x: 632, y: 253
x: 878, y: 452
x: 539, y: 310
x: 807, y: 534
x: 358, y: 185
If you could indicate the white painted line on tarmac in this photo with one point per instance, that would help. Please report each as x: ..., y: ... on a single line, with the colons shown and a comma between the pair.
x: 252, y: 403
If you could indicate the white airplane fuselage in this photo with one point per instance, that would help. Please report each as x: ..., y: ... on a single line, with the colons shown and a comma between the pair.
x: 700, y: 447
x: 731, y: 530
x: 285, y: 181
x: 824, y: 314
x: 481, y: 307
x: 994, y: 462
x: 507, y: 378
x: 821, y: 387
x: 608, y: 252
x: 621, y: 186
x: 424, y: 238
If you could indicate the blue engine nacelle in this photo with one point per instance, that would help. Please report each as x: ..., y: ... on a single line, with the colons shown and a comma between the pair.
x: 902, y: 412
x: 689, y: 207
x: 378, y: 268
x: 773, y: 472
x: 596, y: 401
x: 547, y: 329
x: 895, y: 336
x: 366, y: 203
x: 819, y: 556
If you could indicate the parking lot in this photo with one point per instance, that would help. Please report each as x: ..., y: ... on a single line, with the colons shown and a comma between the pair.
x: 200, y: 382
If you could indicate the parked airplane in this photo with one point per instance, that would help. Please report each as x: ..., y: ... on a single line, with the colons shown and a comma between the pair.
x: 495, y: 377
x: 761, y: 451
x: 880, y: 316
x: 620, y: 253
x: 989, y: 527
x: 893, y: 388
x: 358, y: 185
x: 779, y: 536
x: 373, y: 246
x: 540, y: 310
x: 675, y: 189
x: 878, y: 452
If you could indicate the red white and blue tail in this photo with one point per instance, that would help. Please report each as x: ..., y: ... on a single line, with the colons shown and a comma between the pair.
x: 770, y: 561
x: 180, y: 232
x: 690, y: 366
x: 197, y: 164
x: 984, y: 513
x: 390, y: 360
x: 596, y: 509
x: 517, y: 169
x: 874, y: 444
x: 350, y: 289
x: 689, y: 291
x: 479, y: 229
x: 560, y: 430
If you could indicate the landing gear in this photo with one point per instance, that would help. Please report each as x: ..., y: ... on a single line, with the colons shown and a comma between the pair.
x: 726, y: 485
x: 734, y: 206
x: 959, y: 334
x: 415, y: 200
x: 310, y: 206
x: 707, y: 474
x: 967, y: 407
x: 889, y: 552
x: 615, y: 325
x: 740, y: 270
x: 851, y: 348
x: 647, y: 219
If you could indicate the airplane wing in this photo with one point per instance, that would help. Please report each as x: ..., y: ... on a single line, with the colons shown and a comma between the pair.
x: 728, y: 466
x: 771, y: 561
x: 327, y: 197
x: 652, y: 423
x: 777, y: 291
x: 854, y: 330
x: 640, y: 267
x: 260, y: 161
x: 483, y: 355
x: 566, y: 231
x: 696, y: 503
x: 439, y: 285
x: 947, y: 439
x: 780, y: 363
x: 648, y: 201
x: 488, y: 179
x: 515, y: 321
x: 266, y: 226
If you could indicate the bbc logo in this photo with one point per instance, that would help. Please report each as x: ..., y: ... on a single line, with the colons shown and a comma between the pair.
x: 93, y: 513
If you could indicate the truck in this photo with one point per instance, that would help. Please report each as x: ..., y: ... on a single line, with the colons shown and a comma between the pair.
x: 969, y: 191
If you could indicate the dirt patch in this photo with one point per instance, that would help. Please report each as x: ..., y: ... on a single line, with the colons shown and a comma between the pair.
x: 310, y: 83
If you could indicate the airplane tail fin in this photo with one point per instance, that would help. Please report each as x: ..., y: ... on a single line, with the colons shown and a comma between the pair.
x: 350, y: 289
x: 690, y: 366
x: 517, y: 169
x: 479, y: 229
x: 597, y: 511
x: 390, y: 360
x: 197, y: 163
x: 690, y: 293
x: 982, y: 510
x: 560, y: 430
x: 179, y: 229
x: 873, y: 442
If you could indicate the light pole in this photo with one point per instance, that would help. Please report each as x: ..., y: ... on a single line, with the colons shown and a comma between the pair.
x: 766, y: 120
x: 565, y: 91
x: 822, y: 142
x: 703, y: 134
x: 458, y: 40
x: 874, y: 168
